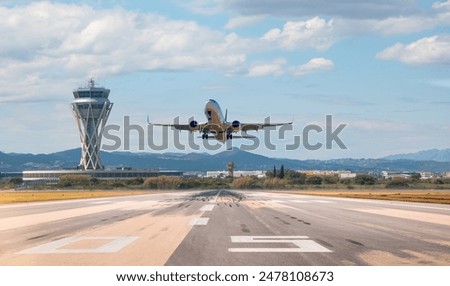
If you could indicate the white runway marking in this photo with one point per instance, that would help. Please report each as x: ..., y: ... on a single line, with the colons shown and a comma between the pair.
x: 302, y: 243
x: 34, y: 219
x: 218, y: 194
x: 199, y: 221
x: 100, y: 202
x: 115, y: 244
x: 394, y: 203
x: 299, y: 201
x: 418, y: 216
x: 141, y: 205
x: 207, y: 208
x: 38, y: 204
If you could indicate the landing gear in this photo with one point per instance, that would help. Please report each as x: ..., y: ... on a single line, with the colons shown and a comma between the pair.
x: 204, y: 136
x: 230, y: 136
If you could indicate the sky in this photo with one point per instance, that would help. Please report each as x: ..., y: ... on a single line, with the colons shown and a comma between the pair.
x: 381, y: 67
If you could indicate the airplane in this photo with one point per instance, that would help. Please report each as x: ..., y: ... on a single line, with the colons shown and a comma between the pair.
x: 218, y: 126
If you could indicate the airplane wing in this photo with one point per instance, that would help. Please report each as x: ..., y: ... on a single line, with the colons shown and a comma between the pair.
x: 257, y: 126
x: 213, y: 128
x: 187, y: 127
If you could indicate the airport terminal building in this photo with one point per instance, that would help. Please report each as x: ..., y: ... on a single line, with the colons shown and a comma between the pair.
x: 55, y: 175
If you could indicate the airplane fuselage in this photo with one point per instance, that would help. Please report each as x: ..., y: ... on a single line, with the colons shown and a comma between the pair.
x: 213, y: 112
x: 216, y: 121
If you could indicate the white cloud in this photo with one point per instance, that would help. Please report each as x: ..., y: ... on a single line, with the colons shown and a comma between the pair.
x: 429, y: 50
x: 340, y: 20
x: 441, y: 5
x: 243, y: 21
x: 316, y: 33
x: 278, y: 67
x: 354, y: 9
x: 438, y: 15
x: 43, y: 42
x: 402, y: 25
x: 390, y: 26
x: 56, y: 44
x: 265, y: 69
x: 314, y: 65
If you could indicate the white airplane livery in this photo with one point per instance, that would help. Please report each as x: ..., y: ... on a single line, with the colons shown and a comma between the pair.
x: 217, y: 127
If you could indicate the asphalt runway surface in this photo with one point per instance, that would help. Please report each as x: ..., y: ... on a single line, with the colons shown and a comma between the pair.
x: 223, y: 227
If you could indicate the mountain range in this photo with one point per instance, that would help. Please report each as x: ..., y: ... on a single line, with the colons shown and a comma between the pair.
x: 431, y: 160
x: 427, y: 155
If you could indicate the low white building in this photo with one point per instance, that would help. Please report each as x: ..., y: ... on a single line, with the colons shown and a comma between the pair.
x: 346, y: 175
x: 388, y: 175
x: 426, y: 175
x: 340, y: 173
x: 216, y: 174
x: 236, y: 174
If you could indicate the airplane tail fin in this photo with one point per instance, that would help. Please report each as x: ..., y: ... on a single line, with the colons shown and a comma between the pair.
x: 226, y: 114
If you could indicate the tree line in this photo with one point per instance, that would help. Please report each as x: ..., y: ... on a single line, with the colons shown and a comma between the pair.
x: 281, y: 178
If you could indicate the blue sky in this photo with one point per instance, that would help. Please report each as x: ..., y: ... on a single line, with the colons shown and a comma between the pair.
x: 381, y: 67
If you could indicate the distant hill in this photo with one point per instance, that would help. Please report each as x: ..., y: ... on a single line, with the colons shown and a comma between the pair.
x: 243, y: 160
x: 427, y: 155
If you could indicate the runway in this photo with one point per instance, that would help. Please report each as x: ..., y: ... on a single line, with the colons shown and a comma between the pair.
x: 223, y: 227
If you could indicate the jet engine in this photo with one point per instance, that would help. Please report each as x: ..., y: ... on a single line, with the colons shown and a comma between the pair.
x: 235, y: 124
x: 193, y: 124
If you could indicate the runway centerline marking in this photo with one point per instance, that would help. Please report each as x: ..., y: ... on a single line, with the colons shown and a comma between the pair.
x: 112, y: 244
x: 302, y: 243
x: 199, y: 221
x: 217, y: 196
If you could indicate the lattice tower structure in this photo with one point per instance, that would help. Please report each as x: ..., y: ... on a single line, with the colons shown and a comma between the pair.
x: 91, y: 108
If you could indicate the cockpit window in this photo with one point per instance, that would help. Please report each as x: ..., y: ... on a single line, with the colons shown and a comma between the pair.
x: 212, y: 100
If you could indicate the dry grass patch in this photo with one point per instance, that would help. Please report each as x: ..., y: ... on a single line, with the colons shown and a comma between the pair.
x: 38, y: 196
x: 420, y: 196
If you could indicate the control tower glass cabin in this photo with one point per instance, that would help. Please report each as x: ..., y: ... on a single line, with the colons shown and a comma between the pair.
x: 91, y: 108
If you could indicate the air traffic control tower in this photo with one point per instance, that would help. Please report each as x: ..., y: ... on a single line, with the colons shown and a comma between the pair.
x: 91, y: 108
